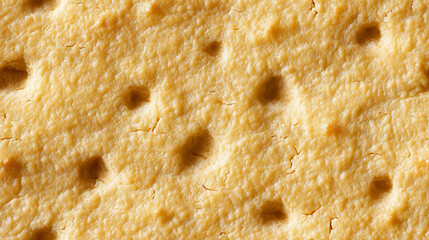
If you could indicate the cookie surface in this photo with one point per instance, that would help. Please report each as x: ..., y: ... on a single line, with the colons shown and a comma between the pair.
x: 214, y: 119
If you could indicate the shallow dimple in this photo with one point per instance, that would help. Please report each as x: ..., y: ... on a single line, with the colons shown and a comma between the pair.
x: 44, y: 234
x: 196, y: 147
x: 92, y: 170
x: 272, y: 211
x: 270, y: 89
x: 213, y: 48
x: 424, y: 85
x: 13, y: 74
x: 165, y: 216
x: 368, y: 34
x: 380, y: 186
x: 136, y: 96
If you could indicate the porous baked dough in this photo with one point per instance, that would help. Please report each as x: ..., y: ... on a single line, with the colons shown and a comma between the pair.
x: 214, y: 119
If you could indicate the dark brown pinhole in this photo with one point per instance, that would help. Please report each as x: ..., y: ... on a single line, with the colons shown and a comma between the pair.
x: 213, y: 48
x: 136, y: 96
x: 368, y: 34
x: 196, y: 147
x: 270, y: 89
x: 272, y: 211
x: 92, y: 170
x: 44, y: 234
x: 380, y: 186
x: 13, y: 74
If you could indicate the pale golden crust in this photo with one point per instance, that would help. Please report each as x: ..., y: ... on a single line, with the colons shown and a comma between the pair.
x: 213, y: 119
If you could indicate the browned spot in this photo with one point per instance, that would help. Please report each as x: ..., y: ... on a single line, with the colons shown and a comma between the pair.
x: 380, y: 186
x: 272, y: 211
x: 92, y: 170
x: 13, y: 74
x: 270, y: 89
x: 196, y: 147
x: 44, y: 234
x: 136, y: 96
x: 213, y: 48
x: 368, y: 34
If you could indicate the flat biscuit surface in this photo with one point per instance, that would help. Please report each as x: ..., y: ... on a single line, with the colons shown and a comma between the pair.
x: 214, y: 119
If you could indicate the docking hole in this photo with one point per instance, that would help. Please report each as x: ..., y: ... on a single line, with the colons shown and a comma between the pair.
x: 13, y: 74
x: 272, y: 211
x: 368, y: 34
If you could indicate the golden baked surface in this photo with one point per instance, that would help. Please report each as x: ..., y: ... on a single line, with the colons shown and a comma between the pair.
x: 165, y: 119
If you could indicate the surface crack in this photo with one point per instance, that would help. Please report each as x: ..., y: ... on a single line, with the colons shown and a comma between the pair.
x: 10, y: 138
x: 209, y: 189
x: 312, y: 212
x: 313, y: 7
x: 291, y: 161
x: 330, y: 224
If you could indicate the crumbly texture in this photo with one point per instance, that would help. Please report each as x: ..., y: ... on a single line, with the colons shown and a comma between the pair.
x: 210, y: 119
